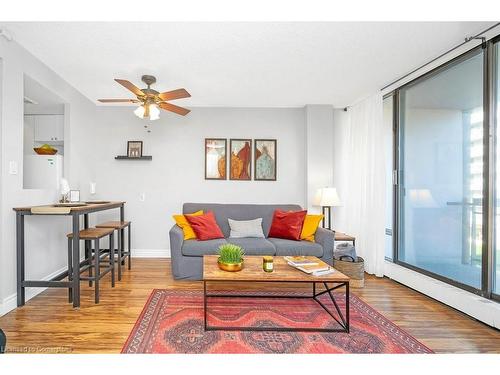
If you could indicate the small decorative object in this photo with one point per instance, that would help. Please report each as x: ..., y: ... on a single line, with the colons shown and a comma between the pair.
x: 215, y: 159
x: 134, y: 149
x: 265, y: 159
x: 64, y: 190
x: 230, y: 257
x: 267, y: 263
x: 45, y: 150
x: 241, y: 159
x: 327, y: 198
x: 74, y: 196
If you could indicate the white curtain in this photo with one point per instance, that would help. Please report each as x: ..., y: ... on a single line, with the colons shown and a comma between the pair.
x: 363, y: 181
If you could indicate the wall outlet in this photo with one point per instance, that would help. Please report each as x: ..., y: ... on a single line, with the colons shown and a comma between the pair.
x: 12, y: 167
x: 92, y: 188
x: 142, y: 197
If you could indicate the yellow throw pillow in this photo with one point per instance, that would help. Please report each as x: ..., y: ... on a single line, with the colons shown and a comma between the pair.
x: 311, y: 223
x: 182, y: 222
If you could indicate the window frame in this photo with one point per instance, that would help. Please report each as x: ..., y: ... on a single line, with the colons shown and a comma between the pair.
x: 489, y: 108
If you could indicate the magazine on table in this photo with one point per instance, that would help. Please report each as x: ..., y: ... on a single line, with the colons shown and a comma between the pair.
x: 309, y: 265
x: 300, y: 260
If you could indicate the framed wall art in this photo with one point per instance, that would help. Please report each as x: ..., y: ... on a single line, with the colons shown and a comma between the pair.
x: 215, y: 159
x: 265, y: 159
x: 240, y: 165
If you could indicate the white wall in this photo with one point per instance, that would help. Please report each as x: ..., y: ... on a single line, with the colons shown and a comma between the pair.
x: 319, y: 137
x: 45, y: 237
x: 176, y: 173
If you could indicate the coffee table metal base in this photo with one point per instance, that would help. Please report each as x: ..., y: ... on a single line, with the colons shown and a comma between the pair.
x: 343, y: 321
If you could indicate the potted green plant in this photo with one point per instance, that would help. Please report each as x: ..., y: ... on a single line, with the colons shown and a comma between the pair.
x: 230, y: 257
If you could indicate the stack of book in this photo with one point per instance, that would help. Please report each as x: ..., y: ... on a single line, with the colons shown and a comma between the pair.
x: 310, y: 265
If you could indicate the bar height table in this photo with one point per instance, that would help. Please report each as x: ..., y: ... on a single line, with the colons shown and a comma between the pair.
x: 75, y: 213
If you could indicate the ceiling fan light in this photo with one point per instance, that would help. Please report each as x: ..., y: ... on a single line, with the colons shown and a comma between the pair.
x: 139, y: 111
x: 154, y: 112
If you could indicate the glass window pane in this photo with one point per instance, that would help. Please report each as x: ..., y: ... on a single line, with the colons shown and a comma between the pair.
x: 441, y: 163
x: 388, y: 128
x: 496, y: 270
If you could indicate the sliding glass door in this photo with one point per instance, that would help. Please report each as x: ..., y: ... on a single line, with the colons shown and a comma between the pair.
x: 440, y: 191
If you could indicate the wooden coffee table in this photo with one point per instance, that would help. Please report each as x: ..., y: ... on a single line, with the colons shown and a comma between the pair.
x: 283, y: 273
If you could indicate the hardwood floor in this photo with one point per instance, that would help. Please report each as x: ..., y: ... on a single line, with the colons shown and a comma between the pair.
x: 49, y: 324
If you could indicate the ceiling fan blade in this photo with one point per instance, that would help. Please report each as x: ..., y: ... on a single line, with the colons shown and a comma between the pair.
x: 118, y: 100
x: 130, y: 86
x: 175, y: 94
x: 174, y: 108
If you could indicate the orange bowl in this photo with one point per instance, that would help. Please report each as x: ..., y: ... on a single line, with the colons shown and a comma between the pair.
x: 45, y: 151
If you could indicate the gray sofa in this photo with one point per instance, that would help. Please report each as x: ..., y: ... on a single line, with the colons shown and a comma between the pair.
x: 187, y: 256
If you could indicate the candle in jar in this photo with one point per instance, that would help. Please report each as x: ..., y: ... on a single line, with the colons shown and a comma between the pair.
x: 267, y: 264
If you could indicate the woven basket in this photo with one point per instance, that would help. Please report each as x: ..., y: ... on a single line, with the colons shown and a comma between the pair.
x: 355, y: 271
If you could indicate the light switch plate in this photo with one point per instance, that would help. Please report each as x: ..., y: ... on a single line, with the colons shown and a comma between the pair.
x: 12, y: 167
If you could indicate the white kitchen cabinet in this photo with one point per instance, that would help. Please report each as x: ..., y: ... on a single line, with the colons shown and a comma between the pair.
x: 49, y: 128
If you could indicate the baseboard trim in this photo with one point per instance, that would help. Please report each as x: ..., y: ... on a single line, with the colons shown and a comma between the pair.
x: 10, y: 303
x: 150, y: 253
x: 482, y: 309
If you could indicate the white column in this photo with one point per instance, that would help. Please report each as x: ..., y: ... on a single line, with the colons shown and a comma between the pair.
x: 319, y: 150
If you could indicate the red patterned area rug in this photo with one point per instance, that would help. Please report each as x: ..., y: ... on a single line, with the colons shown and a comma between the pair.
x: 172, y: 322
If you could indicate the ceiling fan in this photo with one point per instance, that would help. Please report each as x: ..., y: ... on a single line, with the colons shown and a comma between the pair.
x: 151, y: 100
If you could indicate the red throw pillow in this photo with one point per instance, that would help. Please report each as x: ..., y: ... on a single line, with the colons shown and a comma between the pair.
x: 205, y: 226
x: 287, y: 225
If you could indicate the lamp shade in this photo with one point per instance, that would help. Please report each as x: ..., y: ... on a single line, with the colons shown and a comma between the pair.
x: 139, y: 112
x: 327, y: 197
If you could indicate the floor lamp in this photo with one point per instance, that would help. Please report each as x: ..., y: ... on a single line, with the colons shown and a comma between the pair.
x: 327, y: 198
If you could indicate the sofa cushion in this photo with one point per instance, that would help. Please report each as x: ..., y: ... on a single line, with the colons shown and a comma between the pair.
x: 254, y: 246
x: 290, y: 247
x: 199, y: 248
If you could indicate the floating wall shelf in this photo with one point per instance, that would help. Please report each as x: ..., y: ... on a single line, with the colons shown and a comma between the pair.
x: 125, y: 157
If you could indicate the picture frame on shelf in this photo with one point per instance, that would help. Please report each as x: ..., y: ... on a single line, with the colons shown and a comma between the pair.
x: 134, y: 149
x: 74, y: 196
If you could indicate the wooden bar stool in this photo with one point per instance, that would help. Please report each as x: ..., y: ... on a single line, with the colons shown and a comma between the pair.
x: 120, y: 226
x: 94, y: 257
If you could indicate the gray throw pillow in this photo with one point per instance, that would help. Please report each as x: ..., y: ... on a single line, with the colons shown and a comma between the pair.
x: 246, y: 228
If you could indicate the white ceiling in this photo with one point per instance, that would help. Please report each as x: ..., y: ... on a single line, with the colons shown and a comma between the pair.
x: 240, y: 64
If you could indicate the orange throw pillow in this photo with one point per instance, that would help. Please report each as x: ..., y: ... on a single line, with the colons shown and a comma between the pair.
x: 205, y: 226
x: 182, y: 222
x: 311, y: 224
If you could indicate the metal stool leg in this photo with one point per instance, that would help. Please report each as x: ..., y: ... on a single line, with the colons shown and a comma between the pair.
x: 70, y: 268
x: 129, y: 250
x: 97, y: 270
x: 122, y: 236
x: 89, y: 245
x: 119, y: 251
x: 112, y: 258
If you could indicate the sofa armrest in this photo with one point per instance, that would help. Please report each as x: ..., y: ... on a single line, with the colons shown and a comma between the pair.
x: 176, y: 241
x: 326, y: 238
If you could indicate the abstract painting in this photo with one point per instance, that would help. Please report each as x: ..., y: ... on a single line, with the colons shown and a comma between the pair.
x: 240, y: 167
x: 265, y: 160
x: 215, y: 159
